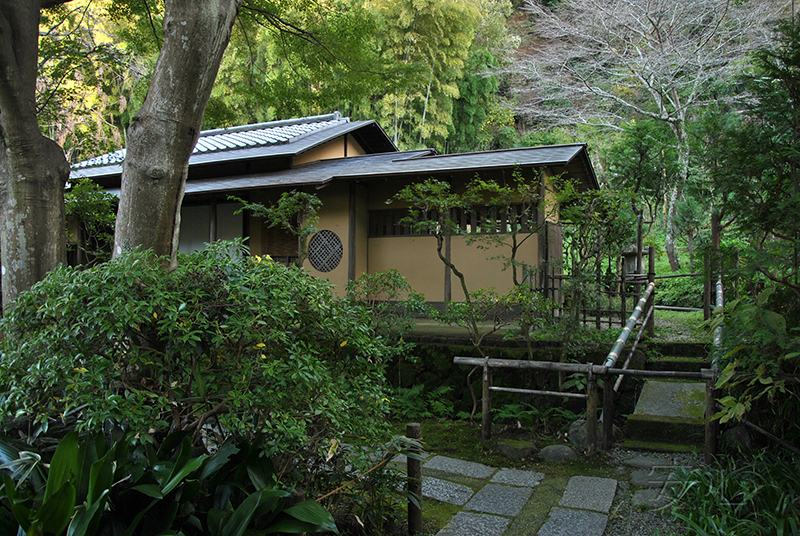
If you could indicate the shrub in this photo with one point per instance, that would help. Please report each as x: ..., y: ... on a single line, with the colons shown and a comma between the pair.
x: 761, y: 497
x: 224, y: 345
x: 680, y: 292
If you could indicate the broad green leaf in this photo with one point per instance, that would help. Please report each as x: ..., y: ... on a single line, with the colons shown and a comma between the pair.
x: 64, y: 466
x: 101, y: 477
x: 199, y: 381
x: 21, y: 513
x: 86, y: 520
x: 240, y: 518
x: 774, y: 321
x: 186, y: 470
x: 151, y: 490
x: 218, y: 459
x: 57, y: 510
x: 310, y: 511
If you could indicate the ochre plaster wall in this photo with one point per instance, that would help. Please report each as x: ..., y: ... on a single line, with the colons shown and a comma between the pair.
x: 333, y: 216
x: 480, y: 271
x: 362, y: 228
x: 333, y: 149
x: 415, y: 258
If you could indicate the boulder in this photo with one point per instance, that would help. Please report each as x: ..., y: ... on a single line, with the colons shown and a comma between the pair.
x: 557, y: 453
x: 738, y: 437
x: 577, y: 433
x: 515, y: 450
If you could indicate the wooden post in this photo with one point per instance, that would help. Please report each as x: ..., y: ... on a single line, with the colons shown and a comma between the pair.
x: 414, y: 470
x: 712, y: 425
x: 608, y: 411
x: 486, y: 403
x: 591, y: 414
x: 651, y: 276
x: 623, y: 297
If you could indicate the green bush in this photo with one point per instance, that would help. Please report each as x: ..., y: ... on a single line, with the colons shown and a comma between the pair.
x: 132, y: 488
x: 680, y: 292
x: 760, y: 497
x: 224, y: 345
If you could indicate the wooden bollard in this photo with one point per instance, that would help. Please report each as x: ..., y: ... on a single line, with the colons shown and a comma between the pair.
x: 414, y: 470
x: 711, y: 424
x: 486, y: 403
x: 608, y: 411
x: 591, y: 415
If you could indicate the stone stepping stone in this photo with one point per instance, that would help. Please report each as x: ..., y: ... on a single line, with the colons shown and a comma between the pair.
x: 469, y: 524
x: 589, y: 493
x: 444, y: 491
x: 642, y: 478
x: 651, y: 498
x: 459, y: 467
x: 566, y: 522
x: 516, y: 477
x: 500, y: 500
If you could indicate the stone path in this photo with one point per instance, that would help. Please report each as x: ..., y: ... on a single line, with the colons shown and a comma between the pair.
x: 497, y: 502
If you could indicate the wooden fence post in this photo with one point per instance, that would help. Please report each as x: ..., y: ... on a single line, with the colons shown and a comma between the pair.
x: 591, y: 413
x: 608, y: 411
x: 414, y: 470
x: 486, y: 402
x: 712, y: 425
x: 651, y: 277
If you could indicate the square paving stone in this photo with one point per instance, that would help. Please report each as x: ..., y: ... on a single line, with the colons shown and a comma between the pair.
x: 444, y: 491
x: 566, y: 522
x: 589, y: 493
x: 459, y: 467
x: 467, y: 524
x: 500, y: 500
x: 516, y: 477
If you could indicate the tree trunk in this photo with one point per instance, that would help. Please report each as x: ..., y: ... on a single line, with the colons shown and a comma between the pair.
x: 33, y: 169
x: 164, y: 131
x: 675, y: 194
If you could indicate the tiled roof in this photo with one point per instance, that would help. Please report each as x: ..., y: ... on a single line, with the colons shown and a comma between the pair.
x: 571, y: 159
x: 242, y: 137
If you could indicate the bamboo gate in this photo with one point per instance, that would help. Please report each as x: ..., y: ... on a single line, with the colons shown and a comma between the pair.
x: 605, y: 372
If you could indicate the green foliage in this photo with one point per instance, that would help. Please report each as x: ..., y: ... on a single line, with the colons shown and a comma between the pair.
x: 133, y: 488
x: 83, y: 79
x: 414, y: 403
x: 295, y: 212
x: 758, y: 173
x: 433, y: 36
x: 289, y: 58
x: 390, y: 300
x: 546, y: 419
x: 680, y: 292
x: 758, y: 352
x: 224, y: 345
x: 392, y: 304
x: 94, y: 212
x: 759, y: 497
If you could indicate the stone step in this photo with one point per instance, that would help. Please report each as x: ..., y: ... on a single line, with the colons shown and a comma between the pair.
x: 668, y: 413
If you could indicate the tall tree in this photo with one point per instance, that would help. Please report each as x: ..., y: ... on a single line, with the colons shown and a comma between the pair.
x: 435, y: 36
x: 602, y: 60
x: 164, y: 131
x: 33, y: 169
x: 758, y: 181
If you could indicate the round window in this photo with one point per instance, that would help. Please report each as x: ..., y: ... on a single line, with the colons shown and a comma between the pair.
x: 325, y: 251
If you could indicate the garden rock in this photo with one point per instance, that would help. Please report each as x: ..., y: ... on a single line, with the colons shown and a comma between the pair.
x: 577, y: 433
x: 557, y: 453
x: 738, y: 437
x: 515, y: 450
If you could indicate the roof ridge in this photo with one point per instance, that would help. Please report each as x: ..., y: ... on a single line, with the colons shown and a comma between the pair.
x: 335, y: 116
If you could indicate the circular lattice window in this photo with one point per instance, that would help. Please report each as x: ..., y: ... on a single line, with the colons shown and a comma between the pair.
x: 325, y: 251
